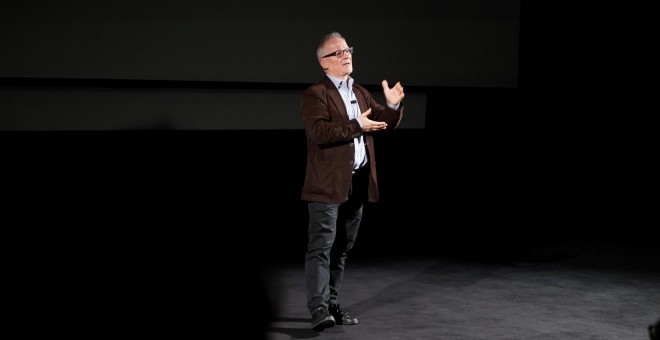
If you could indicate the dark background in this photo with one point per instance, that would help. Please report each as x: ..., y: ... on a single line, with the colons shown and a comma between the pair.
x: 529, y: 136
x: 444, y: 43
x: 111, y: 105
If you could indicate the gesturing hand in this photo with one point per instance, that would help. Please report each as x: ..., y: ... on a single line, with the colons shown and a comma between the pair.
x: 393, y: 95
x: 369, y: 125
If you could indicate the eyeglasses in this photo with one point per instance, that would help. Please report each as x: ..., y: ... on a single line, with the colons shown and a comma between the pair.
x: 339, y: 53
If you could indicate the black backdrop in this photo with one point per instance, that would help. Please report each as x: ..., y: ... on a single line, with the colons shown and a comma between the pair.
x: 533, y: 157
x: 424, y: 43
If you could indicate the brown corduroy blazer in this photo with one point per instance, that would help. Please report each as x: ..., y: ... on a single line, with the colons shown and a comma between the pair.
x: 330, y: 147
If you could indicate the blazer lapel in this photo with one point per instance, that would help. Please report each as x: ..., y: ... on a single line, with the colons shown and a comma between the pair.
x: 335, y: 98
x: 362, y: 101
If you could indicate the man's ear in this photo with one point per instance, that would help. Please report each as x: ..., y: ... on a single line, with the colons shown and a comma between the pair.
x: 322, y: 62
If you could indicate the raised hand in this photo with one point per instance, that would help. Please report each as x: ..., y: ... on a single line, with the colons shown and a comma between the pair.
x: 393, y: 95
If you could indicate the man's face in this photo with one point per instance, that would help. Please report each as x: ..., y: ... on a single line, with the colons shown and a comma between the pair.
x: 339, y: 67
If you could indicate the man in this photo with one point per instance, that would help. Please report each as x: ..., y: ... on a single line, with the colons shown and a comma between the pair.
x: 339, y: 117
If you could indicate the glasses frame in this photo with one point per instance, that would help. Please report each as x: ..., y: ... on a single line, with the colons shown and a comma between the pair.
x: 339, y: 53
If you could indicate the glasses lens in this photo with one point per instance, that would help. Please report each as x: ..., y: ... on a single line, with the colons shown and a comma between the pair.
x: 340, y: 53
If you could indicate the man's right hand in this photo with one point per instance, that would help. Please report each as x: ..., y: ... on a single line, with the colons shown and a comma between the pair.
x: 369, y: 125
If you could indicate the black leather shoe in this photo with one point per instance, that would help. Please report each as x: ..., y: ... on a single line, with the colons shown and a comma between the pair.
x: 322, y: 319
x: 342, y: 317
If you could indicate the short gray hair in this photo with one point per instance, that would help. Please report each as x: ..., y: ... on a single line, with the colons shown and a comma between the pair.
x: 325, y: 38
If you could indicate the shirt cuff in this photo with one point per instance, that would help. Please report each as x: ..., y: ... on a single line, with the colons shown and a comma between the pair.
x: 394, y: 107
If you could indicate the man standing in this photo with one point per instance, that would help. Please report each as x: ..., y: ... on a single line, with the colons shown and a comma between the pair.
x: 339, y: 117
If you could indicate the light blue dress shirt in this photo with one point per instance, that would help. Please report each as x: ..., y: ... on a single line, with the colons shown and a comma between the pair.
x: 353, y: 110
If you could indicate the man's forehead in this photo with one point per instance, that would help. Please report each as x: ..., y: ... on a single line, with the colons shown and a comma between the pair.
x: 335, y: 42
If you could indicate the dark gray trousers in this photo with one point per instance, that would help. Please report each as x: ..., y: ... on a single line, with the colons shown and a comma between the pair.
x: 332, y: 231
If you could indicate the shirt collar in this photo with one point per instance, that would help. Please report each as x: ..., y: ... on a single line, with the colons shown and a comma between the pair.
x: 339, y: 83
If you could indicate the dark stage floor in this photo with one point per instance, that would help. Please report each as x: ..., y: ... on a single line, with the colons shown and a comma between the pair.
x: 188, y: 285
x: 579, y: 290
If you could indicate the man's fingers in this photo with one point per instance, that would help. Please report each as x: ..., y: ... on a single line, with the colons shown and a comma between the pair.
x: 385, y: 85
x: 378, y: 126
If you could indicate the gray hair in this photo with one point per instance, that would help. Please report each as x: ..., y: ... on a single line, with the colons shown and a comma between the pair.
x: 325, y: 38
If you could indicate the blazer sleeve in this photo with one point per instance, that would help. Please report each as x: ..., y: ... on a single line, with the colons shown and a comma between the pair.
x: 382, y: 113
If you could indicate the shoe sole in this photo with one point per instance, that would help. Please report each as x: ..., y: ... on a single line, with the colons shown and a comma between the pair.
x: 323, y: 325
x: 347, y: 323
